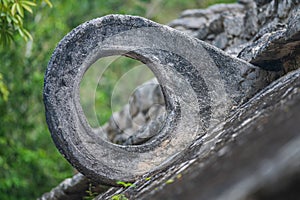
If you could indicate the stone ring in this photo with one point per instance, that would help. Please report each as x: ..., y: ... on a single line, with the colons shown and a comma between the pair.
x: 200, y: 84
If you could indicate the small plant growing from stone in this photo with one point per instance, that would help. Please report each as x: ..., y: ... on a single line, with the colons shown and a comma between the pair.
x: 124, y: 184
x: 169, y: 181
x: 119, y: 197
x: 90, y: 194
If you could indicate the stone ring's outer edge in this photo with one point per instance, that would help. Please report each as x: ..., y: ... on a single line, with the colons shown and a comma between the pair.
x: 214, y: 81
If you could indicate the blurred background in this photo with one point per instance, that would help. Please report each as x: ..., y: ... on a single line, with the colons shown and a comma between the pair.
x: 30, y: 164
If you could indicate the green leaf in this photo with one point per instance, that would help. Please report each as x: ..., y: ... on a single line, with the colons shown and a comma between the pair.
x: 3, y: 89
x: 8, y: 19
x: 5, y: 3
x: 119, y: 197
x: 169, y: 181
x: 49, y: 3
x: 21, y: 33
x: 26, y: 7
x: 20, y: 9
x: 29, y: 3
x: 20, y: 20
x: 28, y: 35
x: 125, y: 184
x: 15, y: 20
x: 14, y: 9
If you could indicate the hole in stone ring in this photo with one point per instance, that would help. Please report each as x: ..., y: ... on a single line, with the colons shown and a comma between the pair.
x: 122, y: 101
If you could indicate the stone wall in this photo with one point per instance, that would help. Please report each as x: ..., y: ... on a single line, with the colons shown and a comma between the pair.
x: 260, y: 32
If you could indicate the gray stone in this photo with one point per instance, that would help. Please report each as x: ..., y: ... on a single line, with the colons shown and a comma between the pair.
x: 220, y: 8
x: 251, y: 21
x: 262, y: 2
x: 211, y: 37
x: 257, y: 15
x: 216, y: 25
x: 208, y: 83
x: 196, y: 13
x: 221, y: 41
x: 233, y: 25
x: 72, y: 189
x: 149, y: 94
x: 270, y: 19
x: 123, y: 118
x: 147, y: 132
x: 146, y: 100
x: 283, y: 8
x: 190, y: 22
x: 202, y: 32
x: 272, y: 48
x: 139, y: 120
x: 155, y: 111
x: 269, y: 28
x: 249, y: 158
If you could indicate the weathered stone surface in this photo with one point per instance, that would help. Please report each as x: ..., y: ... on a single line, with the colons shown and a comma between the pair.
x: 72, y: 189
x: 272, y: 48
x: 268, y: 17
x: 254, y: 154
x: 208, y: 84
x: 191, y: 23
x: 243, y: 21
x: 269, y: 33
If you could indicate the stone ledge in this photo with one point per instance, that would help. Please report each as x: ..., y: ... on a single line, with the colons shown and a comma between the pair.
x: 258, y: 148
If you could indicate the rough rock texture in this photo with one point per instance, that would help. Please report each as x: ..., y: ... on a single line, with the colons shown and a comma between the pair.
x: 254, y: 154
x: 209, y: 83
x: 233, y: 27
x: 265, y: 33
x: 146, y: 106
x: 277, y: 49
x: 73, y: 188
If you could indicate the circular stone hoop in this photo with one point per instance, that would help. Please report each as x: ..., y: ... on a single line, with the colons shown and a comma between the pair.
x: 197, y: 94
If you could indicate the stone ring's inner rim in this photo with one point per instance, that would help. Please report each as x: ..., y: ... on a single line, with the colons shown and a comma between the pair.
x: 133, y: 87
x: 171, y: 112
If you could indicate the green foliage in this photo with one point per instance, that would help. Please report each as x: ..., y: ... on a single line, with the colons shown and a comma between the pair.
x: 90, y: 194
x: 12, y: 17
x: 119, y: 197
x: 3, y: 89
x: 29, y: 162
x: 124, y: 184
x: 118, y: 76
x: 169, y: 181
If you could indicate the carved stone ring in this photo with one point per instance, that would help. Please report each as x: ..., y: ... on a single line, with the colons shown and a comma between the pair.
x: 200, y: 84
